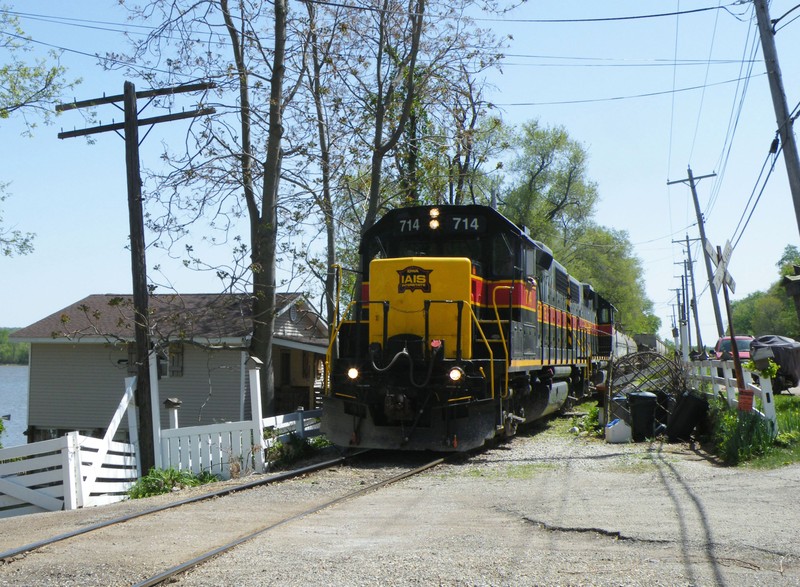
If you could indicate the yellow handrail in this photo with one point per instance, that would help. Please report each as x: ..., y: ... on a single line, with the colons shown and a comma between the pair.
x: 334, y: 334
x: 488, y: 347
x: 502, y: 336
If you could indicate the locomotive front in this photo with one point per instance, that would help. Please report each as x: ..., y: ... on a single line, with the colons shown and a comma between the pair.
x: 411, y: 368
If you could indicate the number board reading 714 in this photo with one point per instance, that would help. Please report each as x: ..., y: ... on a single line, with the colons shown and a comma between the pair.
x: 463, y: 224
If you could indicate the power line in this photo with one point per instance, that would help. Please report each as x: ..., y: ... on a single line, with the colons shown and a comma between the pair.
x: 85, y: 22
x: 734, y: 118
x: 617, y: 98
x: 758, y: 199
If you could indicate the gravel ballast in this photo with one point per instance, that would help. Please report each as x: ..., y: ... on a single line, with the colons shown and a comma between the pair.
x: 545, y: 509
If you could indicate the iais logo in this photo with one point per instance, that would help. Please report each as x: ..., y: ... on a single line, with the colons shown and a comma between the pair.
x: 414, y: 278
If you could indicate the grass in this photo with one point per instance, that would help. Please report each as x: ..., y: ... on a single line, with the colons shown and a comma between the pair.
x: 525, y: 471
x: 738, y: 439
x: 785, y: 450
x: 738, y: 436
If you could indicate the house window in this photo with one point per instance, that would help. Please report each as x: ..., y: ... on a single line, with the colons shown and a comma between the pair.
x: 170, y: 360
x: 132, y: 359
x: 176, y: 359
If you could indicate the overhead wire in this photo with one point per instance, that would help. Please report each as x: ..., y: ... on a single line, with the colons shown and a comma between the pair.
x: 672, y: 125
x: 737, y: 107
x: 705, y: 81
x: 735, y: 239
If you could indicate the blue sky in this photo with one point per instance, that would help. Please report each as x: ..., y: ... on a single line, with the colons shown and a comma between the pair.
x: 646, y: 97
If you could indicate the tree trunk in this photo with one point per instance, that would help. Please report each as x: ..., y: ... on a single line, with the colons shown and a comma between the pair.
x: 265, y: 230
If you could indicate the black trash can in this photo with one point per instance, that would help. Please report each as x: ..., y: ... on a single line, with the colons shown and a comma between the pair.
x: 689, y: 411
x: 643, y: 414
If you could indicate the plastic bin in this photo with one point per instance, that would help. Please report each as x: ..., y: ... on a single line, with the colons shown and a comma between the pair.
x: 689, y: 411
x: 643, y: 414
x: 618, y: 431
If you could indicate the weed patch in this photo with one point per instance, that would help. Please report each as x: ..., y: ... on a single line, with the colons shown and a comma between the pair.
x: 160, y: 481
x: 738, y: 436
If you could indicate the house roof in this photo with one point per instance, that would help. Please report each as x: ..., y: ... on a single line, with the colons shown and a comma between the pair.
x: 203, y: 318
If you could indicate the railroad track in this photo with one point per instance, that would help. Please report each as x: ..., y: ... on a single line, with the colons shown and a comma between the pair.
x: 206, y: 556
x: 27, y: 548
x: 162, y: 542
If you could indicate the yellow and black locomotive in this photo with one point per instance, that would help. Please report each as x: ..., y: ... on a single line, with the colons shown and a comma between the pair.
x: 465, y: 328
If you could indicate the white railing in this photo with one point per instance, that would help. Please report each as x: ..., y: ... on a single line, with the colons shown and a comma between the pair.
x: 232, y: 449
x: 722, y: 378
x: 64, y: 473
x: 76, y: 471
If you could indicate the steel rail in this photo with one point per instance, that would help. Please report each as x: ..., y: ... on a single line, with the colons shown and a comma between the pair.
x: 197, y: 561
x: 8, y: 554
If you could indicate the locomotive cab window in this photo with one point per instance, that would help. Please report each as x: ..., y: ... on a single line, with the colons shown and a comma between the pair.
x: 503, y: 257
x: 530, y: 264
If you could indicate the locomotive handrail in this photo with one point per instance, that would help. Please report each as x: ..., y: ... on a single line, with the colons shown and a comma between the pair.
x: 502, y: 336
x: 334, y: 335
x: 488, y: 347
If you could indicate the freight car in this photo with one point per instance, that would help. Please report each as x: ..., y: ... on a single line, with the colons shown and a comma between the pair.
x: 464, y: 328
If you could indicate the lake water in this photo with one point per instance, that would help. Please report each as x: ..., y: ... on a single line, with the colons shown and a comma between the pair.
x: 14, y: 403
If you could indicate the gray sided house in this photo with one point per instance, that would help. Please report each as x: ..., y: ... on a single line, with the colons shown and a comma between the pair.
x: 81, y: 355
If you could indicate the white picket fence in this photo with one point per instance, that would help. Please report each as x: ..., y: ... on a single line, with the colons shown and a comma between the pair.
x: 232, y: 449
x: 722, y: 378
x: 78, y: 471
x: 64, y: 473
x: 72, y: 471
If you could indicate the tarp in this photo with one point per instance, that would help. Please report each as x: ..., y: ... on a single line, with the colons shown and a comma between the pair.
x: 785, y: 352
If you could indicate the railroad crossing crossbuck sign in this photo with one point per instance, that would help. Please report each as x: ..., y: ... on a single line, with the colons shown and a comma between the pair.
x: 721, y: 263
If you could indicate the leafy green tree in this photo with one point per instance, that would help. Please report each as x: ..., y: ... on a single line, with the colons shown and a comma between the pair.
x: 605, y: 258
x: 551, y: 193
x: 790, y: 257
x: 29, y: 89
x: 553, y: 196
x: 771, y: 311
x: 12, y: 353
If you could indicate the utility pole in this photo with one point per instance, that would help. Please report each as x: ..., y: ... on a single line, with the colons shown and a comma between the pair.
x: 785, y: 130
x: 136, y: 219
x: 693, y: 302
x: 701, y: 225
x: 686, y: 302
x: 682, y: 334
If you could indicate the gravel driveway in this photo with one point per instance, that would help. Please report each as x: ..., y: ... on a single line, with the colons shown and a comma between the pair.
x: 544, y: 509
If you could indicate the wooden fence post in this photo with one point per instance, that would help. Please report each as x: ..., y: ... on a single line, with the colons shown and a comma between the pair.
x: 254, y: 366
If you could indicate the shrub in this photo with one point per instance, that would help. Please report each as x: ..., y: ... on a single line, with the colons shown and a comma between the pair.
x: 283, y: 454
x: 159, y: 481
x: 738, y: 436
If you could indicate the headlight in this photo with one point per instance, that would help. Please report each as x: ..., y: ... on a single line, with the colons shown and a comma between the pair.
x: 352, y: 373
x: 456, y: 374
